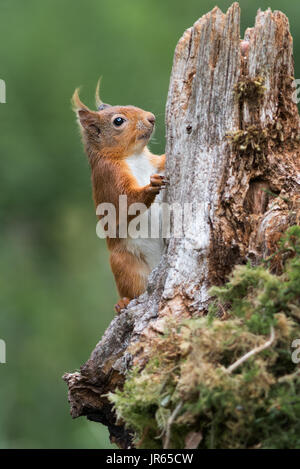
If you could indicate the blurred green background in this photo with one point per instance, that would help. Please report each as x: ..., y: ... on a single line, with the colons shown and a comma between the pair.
x: 56, y: 288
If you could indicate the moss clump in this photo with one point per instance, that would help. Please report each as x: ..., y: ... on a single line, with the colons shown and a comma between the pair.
x: 253, y: 139
x: 250, y: 89
x: 188, y: 385
x: 256, y: 140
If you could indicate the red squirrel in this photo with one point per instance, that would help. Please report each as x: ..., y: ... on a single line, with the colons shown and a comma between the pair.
x: 115, y: 140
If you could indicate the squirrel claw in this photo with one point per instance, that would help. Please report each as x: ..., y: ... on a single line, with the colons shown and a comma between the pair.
x: 158, y: 181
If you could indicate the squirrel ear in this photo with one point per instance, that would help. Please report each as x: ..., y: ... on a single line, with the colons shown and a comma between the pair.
x: 89, y: 120
x: 99, y: 104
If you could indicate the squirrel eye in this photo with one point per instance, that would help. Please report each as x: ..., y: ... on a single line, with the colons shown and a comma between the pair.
x: 118, y: 121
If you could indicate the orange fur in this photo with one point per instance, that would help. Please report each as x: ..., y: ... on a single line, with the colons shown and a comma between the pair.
x: 107, y: 148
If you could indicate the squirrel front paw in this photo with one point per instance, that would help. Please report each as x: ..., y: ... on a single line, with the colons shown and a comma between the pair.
x: 157, y: 182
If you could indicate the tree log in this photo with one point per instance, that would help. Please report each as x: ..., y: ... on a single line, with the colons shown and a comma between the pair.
x: 232, y: 131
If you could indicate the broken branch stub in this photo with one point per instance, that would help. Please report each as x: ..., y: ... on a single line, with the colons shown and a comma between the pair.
x: 232, y: 148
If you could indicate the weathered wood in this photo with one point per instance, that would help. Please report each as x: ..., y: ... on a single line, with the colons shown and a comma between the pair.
x: 232, y: 147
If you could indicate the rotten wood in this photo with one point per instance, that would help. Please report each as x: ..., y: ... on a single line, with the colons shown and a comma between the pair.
x: 233, y: 148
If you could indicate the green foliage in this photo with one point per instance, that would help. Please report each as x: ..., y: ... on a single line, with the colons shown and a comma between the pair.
x: 256, y: 405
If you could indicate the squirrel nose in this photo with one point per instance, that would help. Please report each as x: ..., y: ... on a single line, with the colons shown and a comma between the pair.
x: 151, y: 119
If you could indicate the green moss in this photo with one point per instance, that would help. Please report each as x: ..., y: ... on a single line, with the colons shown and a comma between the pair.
x: 251, y: 139
x: 186, y: 385
x: 257, y: 140
x: 250, y: 89
x: 254, y: 139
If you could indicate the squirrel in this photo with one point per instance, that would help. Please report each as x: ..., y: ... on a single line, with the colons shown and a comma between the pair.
x: 115, y: 140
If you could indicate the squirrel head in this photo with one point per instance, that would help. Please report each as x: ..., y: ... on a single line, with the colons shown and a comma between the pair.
x: 113, y: 131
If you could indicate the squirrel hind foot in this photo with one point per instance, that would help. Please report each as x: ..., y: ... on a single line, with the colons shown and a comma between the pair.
x: 122, y: 304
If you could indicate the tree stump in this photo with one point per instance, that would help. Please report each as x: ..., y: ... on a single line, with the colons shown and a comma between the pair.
x: 233, y: 145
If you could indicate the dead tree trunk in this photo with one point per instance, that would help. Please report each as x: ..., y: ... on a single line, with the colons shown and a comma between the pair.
x: 233, y: 147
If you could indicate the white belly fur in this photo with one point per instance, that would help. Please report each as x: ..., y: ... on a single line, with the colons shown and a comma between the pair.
x: 149, y: 248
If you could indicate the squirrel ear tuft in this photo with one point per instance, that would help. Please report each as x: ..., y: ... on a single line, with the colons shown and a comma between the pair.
x: 76, y: 103
x: 99, y: 104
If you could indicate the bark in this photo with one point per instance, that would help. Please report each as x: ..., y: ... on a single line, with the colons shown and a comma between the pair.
x: 232, y: 131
